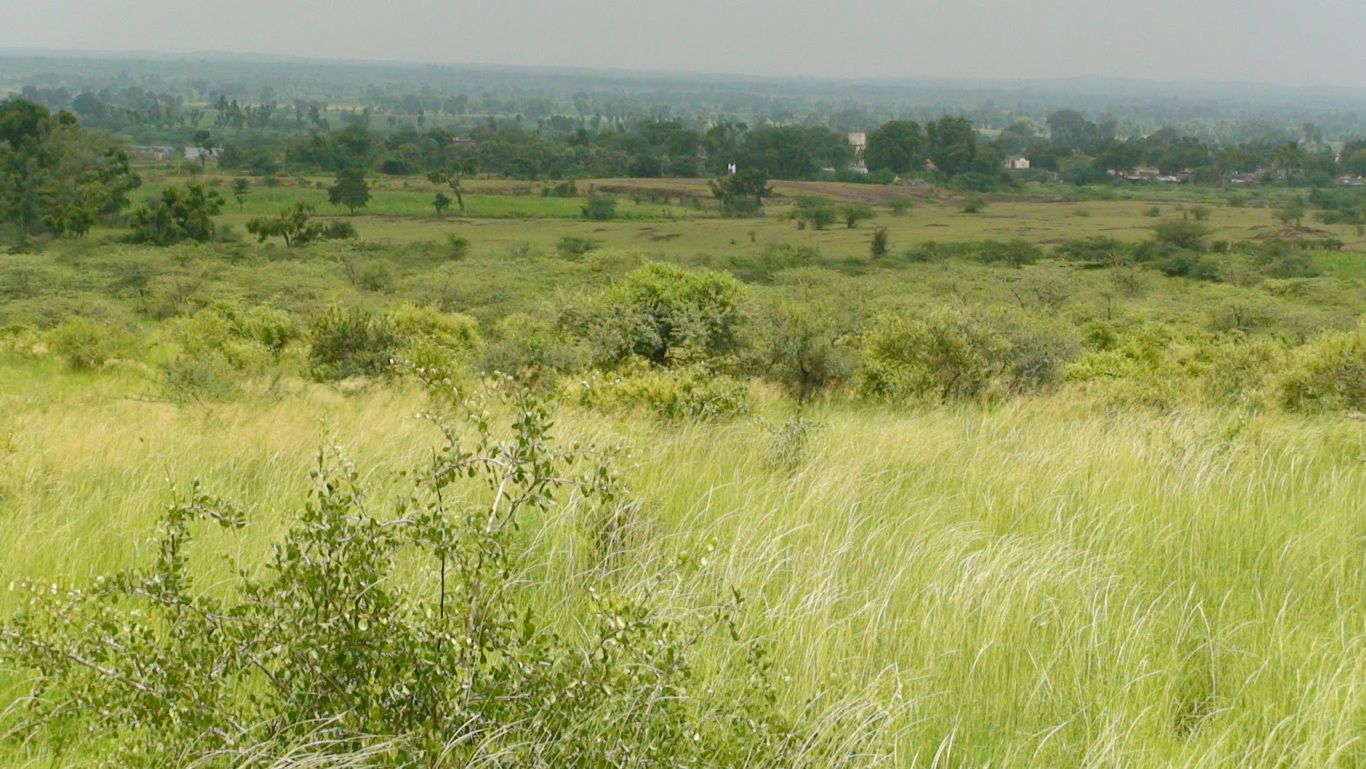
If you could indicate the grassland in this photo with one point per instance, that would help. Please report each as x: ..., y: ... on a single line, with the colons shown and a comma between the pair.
x: 1051, y: 580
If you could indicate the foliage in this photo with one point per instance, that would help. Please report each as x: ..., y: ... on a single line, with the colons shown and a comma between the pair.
x: 574, y: 247
x: 691, y: 392
x: 350, y: 190
x: 600, y: 208
x: 854, y: 213
x: 332, y: 650
x: 56, y: 176
x: 814, y: 211
x: 950, y: 355
x: 798, y: 344
x: 297, y: 227
x: 86, y: 344
x: 878, y: 246
x: 178, y: 215
x: 742, y: 193
x: 345, y: 343
x: 662, y: 313
x: 1181, y: 233
x: 1327, y: 374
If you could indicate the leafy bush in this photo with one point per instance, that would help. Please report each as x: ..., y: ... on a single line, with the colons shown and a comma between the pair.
x: 352, y: 342
x: 949, y: 355
x: 974, y: 205
x: 1181, y: 233
x: 401, y: 639
x: 692, y: 392
x: 441, y: 345
x: 798, y: 345
x: 1097, y: 249
x: 85, y: 344
x: 530, y: 347
x: 574, y: 248
x: 457, y: 247
x: 600, y: 208
x: 178, y: 215
x: 814, y: 211
x: 1327, y: 374
x: 661, y: 312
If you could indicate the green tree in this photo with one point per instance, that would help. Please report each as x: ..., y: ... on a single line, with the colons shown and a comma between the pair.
x: 56, y: 176
x: 203, y: 141
x: 814, y: 211
x: 600, y: 208
x: 241, y: 188
x: 898, y: 146
x: 854, y: 213
x: 178, y: 215
x: 297, y: 227
x: 441, y: 203
x: 742, y: 193
x: 350, y: 190
x: 1292, y: 211
x: 878, y: 247
x: 952, y: 144
x: 797, y: 345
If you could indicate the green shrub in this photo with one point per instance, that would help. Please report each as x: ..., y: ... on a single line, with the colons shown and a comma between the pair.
x: 351, y: 342
x: 1328, y: 374
x: 345, y: 647
x: 441, y: 345
x: 692, y: 392
x: 574, y: 248
x: 661, y: 312
x: 531, y: 347
x: 974, y: 205
x: 457, y: 247
x: 947, y: 355
x: 85, y: 344
x: 600, y: 208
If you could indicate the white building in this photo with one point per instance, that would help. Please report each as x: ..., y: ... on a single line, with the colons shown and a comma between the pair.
x: 1017, y: 163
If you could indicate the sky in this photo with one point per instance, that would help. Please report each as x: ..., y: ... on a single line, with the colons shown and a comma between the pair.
x: 1293, y: 42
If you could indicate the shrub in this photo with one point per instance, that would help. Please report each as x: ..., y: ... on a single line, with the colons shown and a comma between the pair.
x: 352, y: 342
x: 899, y: 205
x: 1097, y: 249
x: 85, y: 344
x: 974, y: 205
x: 1015, y: 253
x: 600, y: 208
x: 951, y: 355
x: 575, y: 248
x: 661, y: 312
x: 797, y: 344
x: 529, y: 347
x: 457, y: 247
x: 693, y: 392
x: 814, y: 211
x: 878, y: 246
x: 441, y: 345
x: 1328, y: 374
x: 401, y: 640
x: 178, y: 215
x: 854, y: 213
x: 1181, y: 233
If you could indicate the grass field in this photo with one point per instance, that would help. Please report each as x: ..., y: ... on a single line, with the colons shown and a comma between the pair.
x: 1058, y: 578
x: 1038, y: 585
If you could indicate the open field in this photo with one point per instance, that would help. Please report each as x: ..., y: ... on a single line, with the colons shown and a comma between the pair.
x: 1135, y: 538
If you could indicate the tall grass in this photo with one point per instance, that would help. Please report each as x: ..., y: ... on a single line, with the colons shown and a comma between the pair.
x: 1038, y: 585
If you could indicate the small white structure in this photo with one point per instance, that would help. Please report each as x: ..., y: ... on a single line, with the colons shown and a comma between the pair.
x: 730, y: 169
x: 858, y: 142
x: 1017, y: 163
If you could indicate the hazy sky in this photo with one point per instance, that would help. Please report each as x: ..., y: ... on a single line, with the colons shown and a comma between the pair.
x: 1320, y: 42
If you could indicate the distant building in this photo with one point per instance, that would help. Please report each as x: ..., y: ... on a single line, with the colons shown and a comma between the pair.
x: 1017, y: 163
x: 464, y: 144
x: 152, y: 153
x: 858, y: 142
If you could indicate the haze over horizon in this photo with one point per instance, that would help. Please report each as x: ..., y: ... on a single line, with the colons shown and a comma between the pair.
x: 1270, y: 41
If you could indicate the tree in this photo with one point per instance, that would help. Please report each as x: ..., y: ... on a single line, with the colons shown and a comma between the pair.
x: 56, y: 176
x: 1292, y: 211
x: 203, y: 140
x: 453, y: 175
x: 1182, y: 233
x: 854, y: 213
x: 898, y: 146
x: 177, y: 215
x: 441, y: 203
x: 796, y: 344
x: 241, y: 188
x: 814, y: 211
x: 350, y: 190
x: 952, y: 144
x: 600, y: 208
x: 296, y: 227
x: 742, y: 193
x: 878, y: 247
